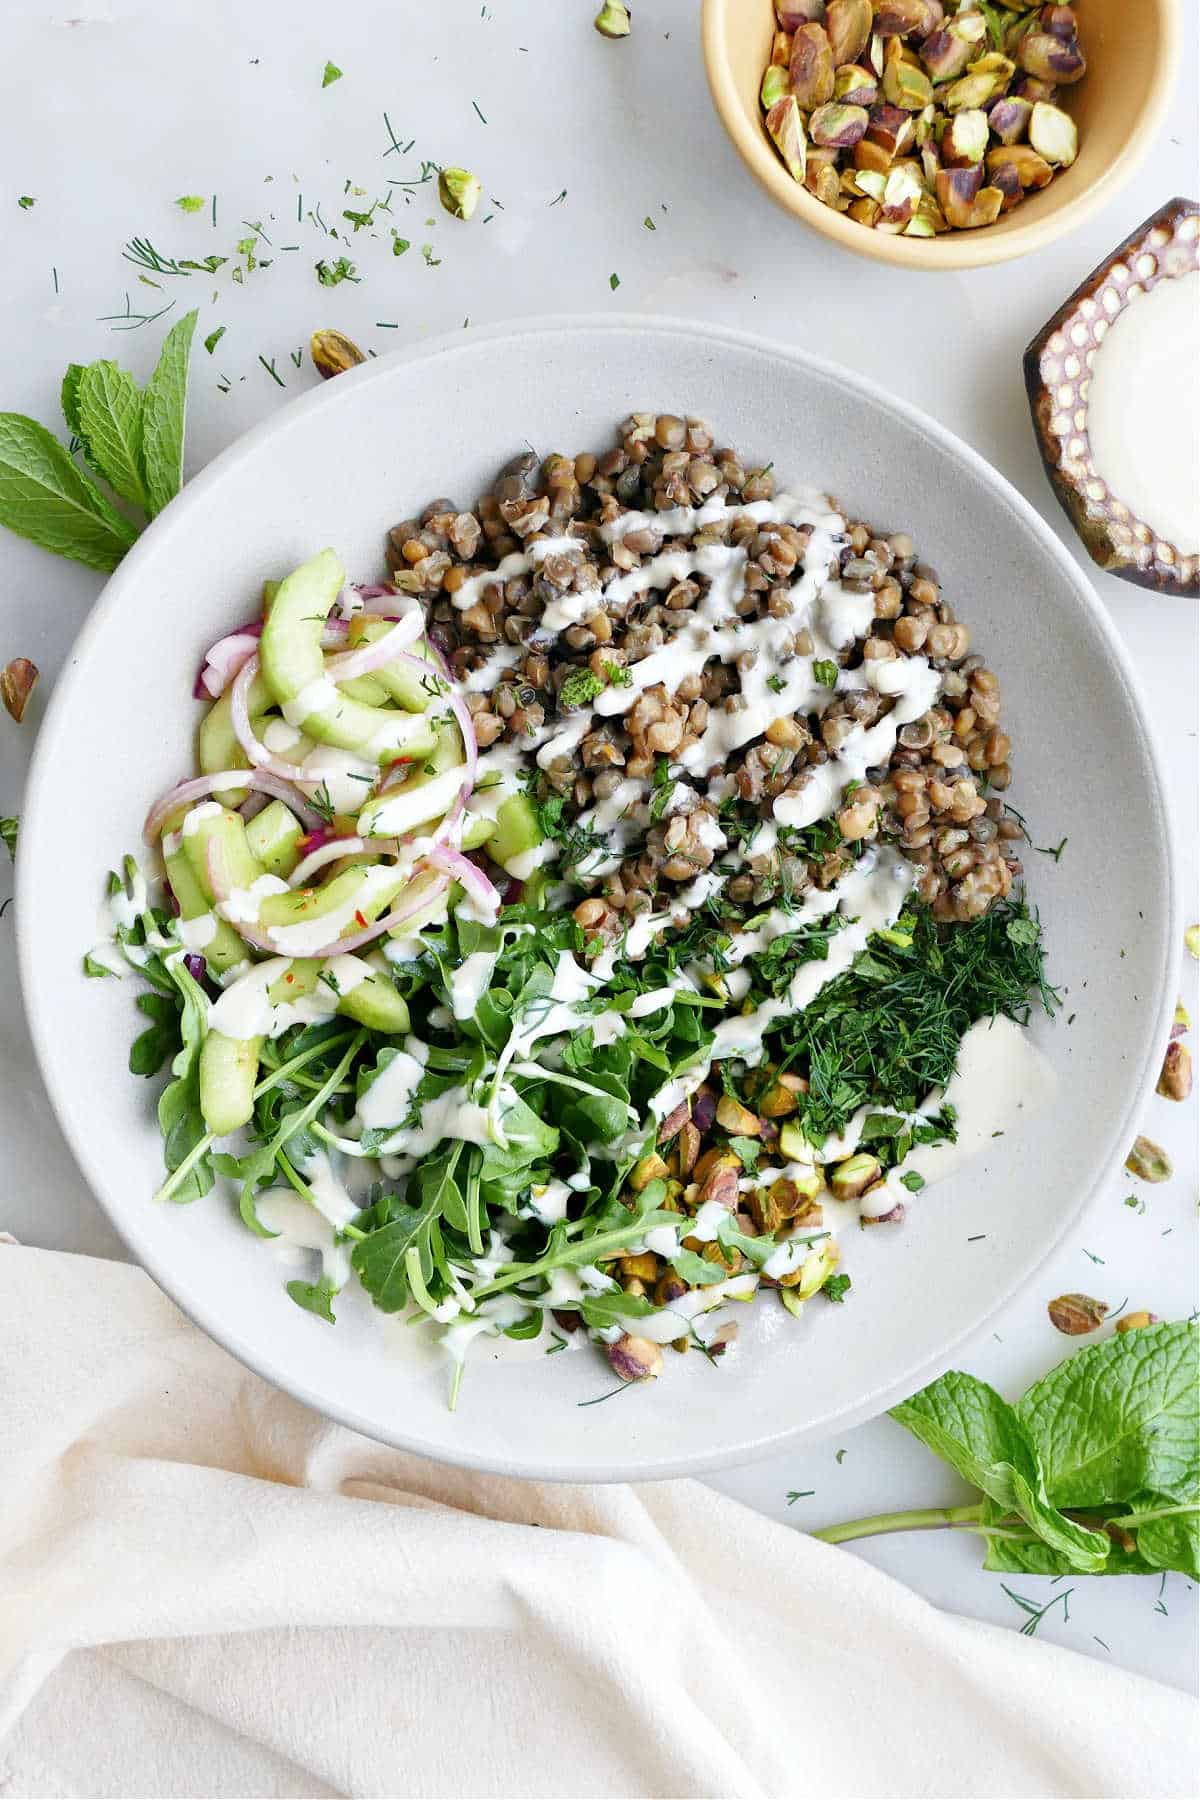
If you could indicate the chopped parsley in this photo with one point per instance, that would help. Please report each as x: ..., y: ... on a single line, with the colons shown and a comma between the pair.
x: 826, y: 673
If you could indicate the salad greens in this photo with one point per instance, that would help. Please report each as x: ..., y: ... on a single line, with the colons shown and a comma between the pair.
x: 1095, y: 1471
x: 131, y: 438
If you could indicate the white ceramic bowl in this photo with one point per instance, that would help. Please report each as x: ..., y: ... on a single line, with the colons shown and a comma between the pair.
x: 339, y: 467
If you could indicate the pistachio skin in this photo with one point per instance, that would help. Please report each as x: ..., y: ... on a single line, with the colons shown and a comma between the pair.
x: 1136, y: 1321
x: 1175, y: 1081
x: 1076, y: 1314
x: 855, y: 86
x: 1032, y: 170
x: 1009, y: 119
x: 17, y: 681
x: 333, y: 353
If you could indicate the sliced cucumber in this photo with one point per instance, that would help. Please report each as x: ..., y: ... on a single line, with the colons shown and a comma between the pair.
x: 517, y: 834
x: 294, y: 668
x: 226, y: 830
x: 228, y: 1072
x: 224, y: 948
x: 306, y: 919
x: 273, y: 836
x: 402, y: 809
x: 476, y: 831
x: 373, y: 1002
x: 414, y: 692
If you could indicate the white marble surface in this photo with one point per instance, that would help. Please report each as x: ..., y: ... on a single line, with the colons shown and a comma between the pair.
x: 120, y: 108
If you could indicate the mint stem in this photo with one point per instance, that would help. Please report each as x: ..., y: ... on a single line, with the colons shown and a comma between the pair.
x: 929, y: 1518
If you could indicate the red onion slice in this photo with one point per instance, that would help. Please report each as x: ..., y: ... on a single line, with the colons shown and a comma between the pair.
x: 481, y: 890
x: 200, y: 787
x: 384, y: 650
x: 257, y: 751
x: 223, y: 660
x: 333, y: 850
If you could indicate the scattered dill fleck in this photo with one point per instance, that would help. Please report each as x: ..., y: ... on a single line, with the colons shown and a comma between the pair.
x: 475, y: 104
x: 626, y: 1387
x: 560, y: 1343
x: 1037, y: 1613
x: 978, y: 1238
x: 1054, y: 850
x: 130, y: 320
x: 557, y: 198
x: 1093, y: 1258
x: 272, y: 371
x: 839, y: 1456
x: 54, y: 277
x: 614, y: 281
x: 648, y: 222
x: 800, y: 1494
x: 386, y: 325
x: 1132, y: 1200
x: 141, y: 252
x: 330, y: 274
x: 297, y: 355
x: 332, y: 74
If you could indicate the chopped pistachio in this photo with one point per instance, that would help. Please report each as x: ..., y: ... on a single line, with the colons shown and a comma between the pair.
x: 1032, y: 170
x: 1175, y: 1080
x: 786, y: 127
x: 1191, y: 938
x: 811, y: 66
x: 459, y: 191
x: 1049, y: 59
x: 947, y: 51
x: 854, y: 1176
x: 613, y: 21
x: 333, y: 353
x: 775, y: 86
x: 781, y: 49
x: 1149, y: 1161
x: 1075, y: 1314
x: 1053, y: 135
x: 822, y: 181
x: 865, y: 211
x: 872, y: 183
x: 735, y: 1118
x: 1009, y: 119
x: 978, y: 86
x: 848, y: 28
x: 1136, y: 1321
x: 813, y: 1272
x: 1181, y: 1020
x: 836, y: 126
x: 905, y: 18
x: 965, y: 138
x: 1004, y: 176
x: 634, y: 1358
x: 17, y: 681
x: 855, y: 85
x: 891, y: 128
x: 928, y: 220
x: 906, y: 86
x: 1028, y: 87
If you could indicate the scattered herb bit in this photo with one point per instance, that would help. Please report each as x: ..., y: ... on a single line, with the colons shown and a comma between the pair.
x: 25, y: 201
x: 8, y: 836
x: 329, y: 275
x: 1075, y: 1314
x: 476, y: 106
x: 614, y: 281
x: 800, y: 1494
x: 431, y: 261
x: 214, y: 338
x: 459, y: 191
x: 399, y: 244
x: 825, y: 672
x: 838, y: 1458
x: 191, y: 203
x: 913, y: 1181
x: 1191, y: 938
x: 558, y: 198
x: 1037, y: 1613
x: 1093, y: 1258
x: 332, y: 73
x: 1131, y: 1200
x: 141, y: 252
x: 1054, y: 850
x: 649, y: 224
x: 835, y: 1288
x: 613, y: 21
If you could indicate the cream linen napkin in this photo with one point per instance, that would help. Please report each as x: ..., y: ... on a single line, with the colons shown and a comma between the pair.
x: 205, y: 1589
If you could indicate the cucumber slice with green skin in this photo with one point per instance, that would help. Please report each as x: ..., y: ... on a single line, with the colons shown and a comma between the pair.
x: 224, y: 948
x: 402, y: 809
x: 290, y: 648
x: 227, y: 830
x: 404, y: 683
x: 432, y: 914
x: 476, y: 831
x: 228, y: 1073
x: 518, y: 838
x: 373, y: 1002
x: 367, y: 688
x: 306, y: 919
x: 447, y: 753
x: 217, y: 746
x: 273, y: 836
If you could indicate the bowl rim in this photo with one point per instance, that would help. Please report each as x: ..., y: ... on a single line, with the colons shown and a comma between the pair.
x: 957, y: 249
x: 55, y: 728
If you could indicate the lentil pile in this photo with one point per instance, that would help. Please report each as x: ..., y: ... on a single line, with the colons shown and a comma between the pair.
x: 640, y: 808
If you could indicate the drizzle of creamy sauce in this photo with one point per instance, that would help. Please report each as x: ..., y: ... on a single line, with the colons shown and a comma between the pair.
x: 389, y: 1097
x: 300, y: 1227
x: 307, y: 936
x: 346, y: 778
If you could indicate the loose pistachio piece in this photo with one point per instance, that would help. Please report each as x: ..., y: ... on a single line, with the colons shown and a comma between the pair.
x: 871, y: 182
x: 1060, y: 22
x: 865, y: 211
x: 985, y: 80
x: 1136, y: 1321
x: 17, y: 681
x: 459, y: 191
x: 1075, y: 1314
x: 1046, y: 56
x: 928, y: 220
x: 1004, y: 177
x: 947, y: 51
x: 930, y: 164
x: 965, y: 138
x: 854, y: 1176
x: 907, y: 86
x: 613, y: 21
x: 838, y: 127
x: 811, y: 67
x: 895, y: 1216
x: 1191, y: 938
x: 1181, y: 1020
x: 1053, y: 135
x: 1175, y: 1081
x: 901, y: 197
x: 781, y: 49
x: 822, y: 180
x: 794, y: 13
x: 1028, y: 87
x: 1009, y: 119
x: 848, y: 28
x: 964, y: 210
x: 775, y: 86
x: 855, y: 85
x: 1149, y: 1161
x: 1032, y: 170
x: 786, y: 128
x: 333, y: 353
x: 905, y: 18
x: 634, y: 1358
x: 891, y: 128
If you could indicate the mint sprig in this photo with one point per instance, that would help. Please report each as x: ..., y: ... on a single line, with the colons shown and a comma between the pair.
x: 131, y: 438
x: 1096, y: 1471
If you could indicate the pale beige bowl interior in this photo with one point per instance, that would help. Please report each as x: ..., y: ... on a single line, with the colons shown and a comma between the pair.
x: 1132, y: 52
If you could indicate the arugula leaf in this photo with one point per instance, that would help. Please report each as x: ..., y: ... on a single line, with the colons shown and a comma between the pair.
x: 696, y: 1271
x: 1120, y: 1417
x: 616, y: 1308
x: 179, y: 1116
x: 379, y: 1260
x: 45, y: 498
x: 966, y: 1422
x: 149, y: 1052
x: 314, y: 1297
x: 164, y: 411
x: 109, y: 405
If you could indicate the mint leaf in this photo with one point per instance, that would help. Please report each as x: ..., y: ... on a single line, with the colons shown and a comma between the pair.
x: 164, y: 409
x: 45, y: 498
x: 314, y: 1297
x: 1170, y: 1543
x: 1121, y: 1417
x: 1007, y: 1556
x: 964, y: 1421
x: 109, y: 406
